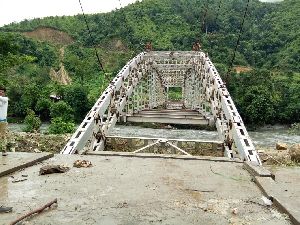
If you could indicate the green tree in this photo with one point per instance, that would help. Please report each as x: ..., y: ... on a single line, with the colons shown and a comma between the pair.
x: 62, y: 110
x: 76, y: 97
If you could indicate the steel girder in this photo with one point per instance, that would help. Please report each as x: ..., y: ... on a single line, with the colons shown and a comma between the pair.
x: 142, y: 84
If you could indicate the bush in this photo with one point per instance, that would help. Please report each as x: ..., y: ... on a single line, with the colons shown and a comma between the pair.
x: 295, y: 129
x: 32, y: 122
x: 59, y: 126
x: 62, y: 110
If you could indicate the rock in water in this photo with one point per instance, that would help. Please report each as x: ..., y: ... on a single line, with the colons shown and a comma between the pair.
x: 294, y: 152
x: 281, y: 146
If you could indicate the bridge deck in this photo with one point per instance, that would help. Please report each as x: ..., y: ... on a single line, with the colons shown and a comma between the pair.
x: 169, y: 116
x: 119, y: 190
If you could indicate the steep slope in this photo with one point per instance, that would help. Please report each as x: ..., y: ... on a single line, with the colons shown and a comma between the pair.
x: 173, y: 24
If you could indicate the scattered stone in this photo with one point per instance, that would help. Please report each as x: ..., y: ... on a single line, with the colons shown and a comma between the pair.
x: 82, y: 163
x: 122, y: 205
x: 235, y: 211
x: 266, y: 201
x: 49, y: 169
x: 294, y: 152
x: 168, y: 127
x: 281, y: 146
x: 4, y: 209
x: 36, y: 150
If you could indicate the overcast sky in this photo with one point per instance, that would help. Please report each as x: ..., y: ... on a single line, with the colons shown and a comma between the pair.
x: 18, y: 10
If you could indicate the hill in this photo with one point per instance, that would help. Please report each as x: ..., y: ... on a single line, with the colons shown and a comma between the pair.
x: 270, y: 41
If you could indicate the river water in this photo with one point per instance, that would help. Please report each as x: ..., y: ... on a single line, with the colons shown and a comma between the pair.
x: 265, y: 137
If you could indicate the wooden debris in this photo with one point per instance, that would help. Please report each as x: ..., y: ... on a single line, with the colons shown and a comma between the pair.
x: 39, y: 210
x: 49, y: 169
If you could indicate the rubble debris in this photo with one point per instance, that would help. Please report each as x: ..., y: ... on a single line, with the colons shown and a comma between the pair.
x: 37, y: 142
x: 37, y: 211
x: 4, y: 209
x: 82, y: 163
x: 49, y: 169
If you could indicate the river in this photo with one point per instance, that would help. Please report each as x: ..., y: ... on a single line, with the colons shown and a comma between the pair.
x: 265, y: 137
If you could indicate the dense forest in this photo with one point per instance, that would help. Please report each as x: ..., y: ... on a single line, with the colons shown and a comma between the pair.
x: 55, y: 55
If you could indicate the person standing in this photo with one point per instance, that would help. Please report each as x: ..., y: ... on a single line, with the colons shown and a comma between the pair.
x: 3, y: 120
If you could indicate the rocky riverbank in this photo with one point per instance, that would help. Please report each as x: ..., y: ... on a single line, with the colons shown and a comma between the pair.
x: 282, y: 154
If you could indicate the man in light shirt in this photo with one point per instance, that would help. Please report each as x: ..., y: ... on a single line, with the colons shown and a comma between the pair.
x: 3, y: 120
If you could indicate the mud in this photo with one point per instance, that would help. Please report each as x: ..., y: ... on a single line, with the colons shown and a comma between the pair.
x: 49, y: 34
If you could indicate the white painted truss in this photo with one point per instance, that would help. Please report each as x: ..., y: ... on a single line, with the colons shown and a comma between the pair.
x: 143, y: 84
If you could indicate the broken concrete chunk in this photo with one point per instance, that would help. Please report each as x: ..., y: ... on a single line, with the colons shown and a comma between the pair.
x: 49, y: 169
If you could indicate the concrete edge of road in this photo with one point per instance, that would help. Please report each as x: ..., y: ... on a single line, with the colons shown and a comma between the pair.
x: 274, y: 192
x: 39, y: 157
x: 258, y: 171
x: 164, y: 156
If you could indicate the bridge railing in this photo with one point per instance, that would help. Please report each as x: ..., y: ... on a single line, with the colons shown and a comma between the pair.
x: 104, y: 114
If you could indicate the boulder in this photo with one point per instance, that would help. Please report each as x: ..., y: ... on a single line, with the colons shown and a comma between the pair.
x: 281, y: 146
x: 294, y: 152
x: 273, y: 157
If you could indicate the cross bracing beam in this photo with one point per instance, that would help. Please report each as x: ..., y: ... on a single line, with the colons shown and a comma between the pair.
x: 173, y: 67
x: 143, y: 84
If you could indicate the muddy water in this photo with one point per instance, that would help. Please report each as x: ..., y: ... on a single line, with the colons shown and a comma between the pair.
x: 264, y: 137
x: 16, y: 127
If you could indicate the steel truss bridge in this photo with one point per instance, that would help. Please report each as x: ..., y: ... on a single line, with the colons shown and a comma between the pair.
x: 140, y: 93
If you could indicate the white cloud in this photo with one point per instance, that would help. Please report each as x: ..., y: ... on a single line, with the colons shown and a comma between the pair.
x: 18, y: 10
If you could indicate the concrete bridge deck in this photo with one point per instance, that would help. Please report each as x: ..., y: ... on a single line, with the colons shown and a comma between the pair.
x: 138, y: 190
